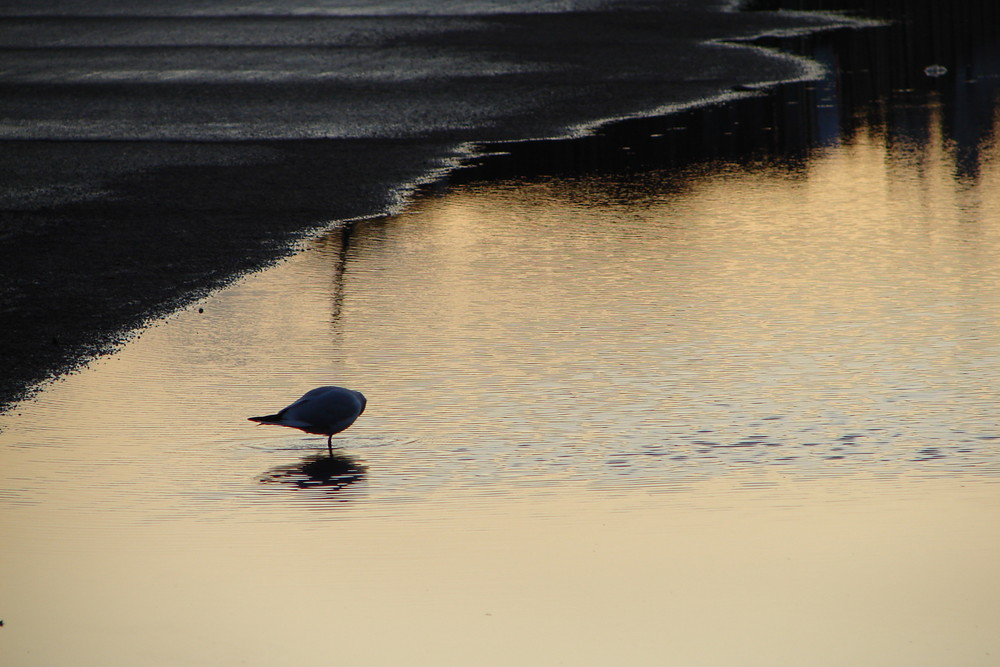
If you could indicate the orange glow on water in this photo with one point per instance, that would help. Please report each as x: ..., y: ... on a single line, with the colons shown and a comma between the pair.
x: 608, y: 421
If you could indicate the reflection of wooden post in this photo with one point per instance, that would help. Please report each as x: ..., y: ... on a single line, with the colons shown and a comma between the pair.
x: 346, y: 231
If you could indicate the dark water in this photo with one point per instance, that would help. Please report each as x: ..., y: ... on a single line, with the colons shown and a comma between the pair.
x: 878, y: 80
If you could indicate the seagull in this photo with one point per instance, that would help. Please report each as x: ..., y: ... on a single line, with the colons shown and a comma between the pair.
x: 323, y: 411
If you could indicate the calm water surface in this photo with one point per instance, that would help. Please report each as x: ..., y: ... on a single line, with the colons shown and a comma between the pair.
x: 609, y: 421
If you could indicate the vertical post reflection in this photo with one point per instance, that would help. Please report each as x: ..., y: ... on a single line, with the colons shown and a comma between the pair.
x: 335, y: 246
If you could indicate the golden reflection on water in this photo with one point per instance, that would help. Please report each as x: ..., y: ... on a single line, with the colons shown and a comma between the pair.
x: 607, y: 420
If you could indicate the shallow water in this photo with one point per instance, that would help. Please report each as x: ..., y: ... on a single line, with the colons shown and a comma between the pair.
x: 734, y: 411
x: 609, y: 419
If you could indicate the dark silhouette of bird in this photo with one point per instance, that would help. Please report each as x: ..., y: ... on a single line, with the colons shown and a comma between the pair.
x: 323, y: 411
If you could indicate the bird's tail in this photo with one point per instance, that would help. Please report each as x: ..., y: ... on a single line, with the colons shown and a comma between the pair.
x: 267, y: 419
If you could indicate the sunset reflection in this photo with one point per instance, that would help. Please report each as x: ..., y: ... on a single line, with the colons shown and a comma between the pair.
x: 835, y: 316
x: 605, y: 412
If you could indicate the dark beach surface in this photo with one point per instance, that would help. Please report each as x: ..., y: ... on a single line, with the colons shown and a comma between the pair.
x: 151, y: 155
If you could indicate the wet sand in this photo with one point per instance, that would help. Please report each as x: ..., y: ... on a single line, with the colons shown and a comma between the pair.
x: 150, y: 159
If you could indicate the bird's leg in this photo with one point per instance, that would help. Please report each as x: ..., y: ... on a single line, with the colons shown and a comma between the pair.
x: 329, y: 444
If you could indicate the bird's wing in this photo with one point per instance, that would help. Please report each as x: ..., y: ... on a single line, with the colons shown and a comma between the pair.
x: 322, y: 410
x: 282, y: 416
x: 318, y: 411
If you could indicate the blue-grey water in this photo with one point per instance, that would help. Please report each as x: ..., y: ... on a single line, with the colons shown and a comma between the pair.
x: 232, y: 71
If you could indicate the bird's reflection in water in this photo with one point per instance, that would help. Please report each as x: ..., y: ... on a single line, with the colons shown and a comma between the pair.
x: 332, y: 473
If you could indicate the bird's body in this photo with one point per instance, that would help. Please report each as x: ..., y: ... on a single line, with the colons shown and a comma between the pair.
x: 323, y: 411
